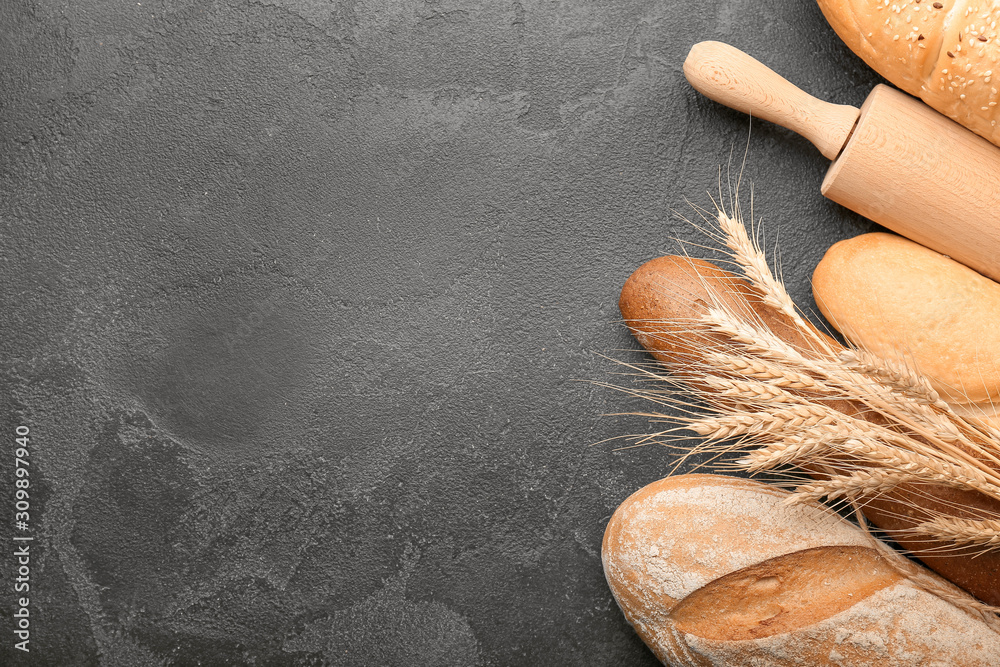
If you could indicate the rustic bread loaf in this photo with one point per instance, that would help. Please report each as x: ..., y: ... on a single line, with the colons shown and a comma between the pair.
x: 663, y: 302
x: 715, y: 570
x: 893, y: 296
x: 664, y: 299
x: 942, y: 51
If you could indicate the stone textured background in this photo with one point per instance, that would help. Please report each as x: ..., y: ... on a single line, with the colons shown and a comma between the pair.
x: 298, y: 296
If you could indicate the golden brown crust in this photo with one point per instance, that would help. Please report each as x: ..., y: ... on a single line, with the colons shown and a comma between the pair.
x: 783, y: 594
x: 677, y: 535
x: 663, y: 300
x: 715, y: 570
x: 662, y: 303
x: 942, y: 51
x: 891, y: 295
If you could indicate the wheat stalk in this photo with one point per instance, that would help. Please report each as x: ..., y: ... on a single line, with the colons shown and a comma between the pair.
x: 898, y: 376
x: 748, y: 255
x: 870, y: 424
x: 759, y: 369
x: 972, y: 532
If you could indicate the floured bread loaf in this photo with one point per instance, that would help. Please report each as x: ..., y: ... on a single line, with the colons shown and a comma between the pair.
x: 946, y: 52
x: 715, y: 570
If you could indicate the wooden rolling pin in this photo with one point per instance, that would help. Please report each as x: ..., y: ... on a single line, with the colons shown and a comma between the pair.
x: 895, y: 161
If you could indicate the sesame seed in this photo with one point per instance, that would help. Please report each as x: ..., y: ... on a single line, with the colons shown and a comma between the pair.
x: 982, y: 39
x: 920, y: 38
x: 938, y: 5
x: 951, y: 55
x: 961, y: 97
x: 896, y: 38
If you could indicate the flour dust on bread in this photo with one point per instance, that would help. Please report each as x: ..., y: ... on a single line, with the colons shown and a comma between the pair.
x: 946, y: 52
x: 715, y: 570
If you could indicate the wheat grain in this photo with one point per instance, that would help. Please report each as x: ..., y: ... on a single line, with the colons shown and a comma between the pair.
x: 747, y: 254
x: 793, y: 449
x: 791, y: 419
x: 859, y: 483
x: 965, y: 532
x: 749, y: 391
x: 921, y: 467
x: 870, y: 424
x: 896, y: 375
x: 758, y: 369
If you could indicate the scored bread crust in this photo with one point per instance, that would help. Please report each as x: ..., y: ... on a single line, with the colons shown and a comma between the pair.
x: 897, y: 625
x: 943, y: 51
x: 668, y: 542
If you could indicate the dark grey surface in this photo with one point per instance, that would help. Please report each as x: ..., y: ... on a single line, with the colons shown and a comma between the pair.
x: 297, y: 296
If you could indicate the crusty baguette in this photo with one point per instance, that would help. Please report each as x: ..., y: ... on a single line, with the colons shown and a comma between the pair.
x: 715, y: 570
x: 896, y: 297
x: 662, y: 303
x: 942, y: 51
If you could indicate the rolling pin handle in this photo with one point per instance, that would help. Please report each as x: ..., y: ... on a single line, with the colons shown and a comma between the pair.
x: 731, y: 77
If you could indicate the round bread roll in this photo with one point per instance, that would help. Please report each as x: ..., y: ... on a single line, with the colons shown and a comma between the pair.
x: 715, y: 570
x: 893, y: 296
x: 942, y: 51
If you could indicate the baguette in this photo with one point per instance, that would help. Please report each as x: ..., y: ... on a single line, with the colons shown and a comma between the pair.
x: 942, y: 51
x: 714, y: 570
x: 663, y: 302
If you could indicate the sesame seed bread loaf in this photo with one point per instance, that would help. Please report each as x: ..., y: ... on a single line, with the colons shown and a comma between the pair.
x: 942, y: 51
x: 714, y: 570
x: 891, y: 296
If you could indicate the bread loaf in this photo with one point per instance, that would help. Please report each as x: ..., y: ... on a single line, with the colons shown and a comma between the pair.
x: 663, y: 303
x: 664, y: 299
x: 893, y: 296
x: 942, y: 51
x: 715, y: 570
